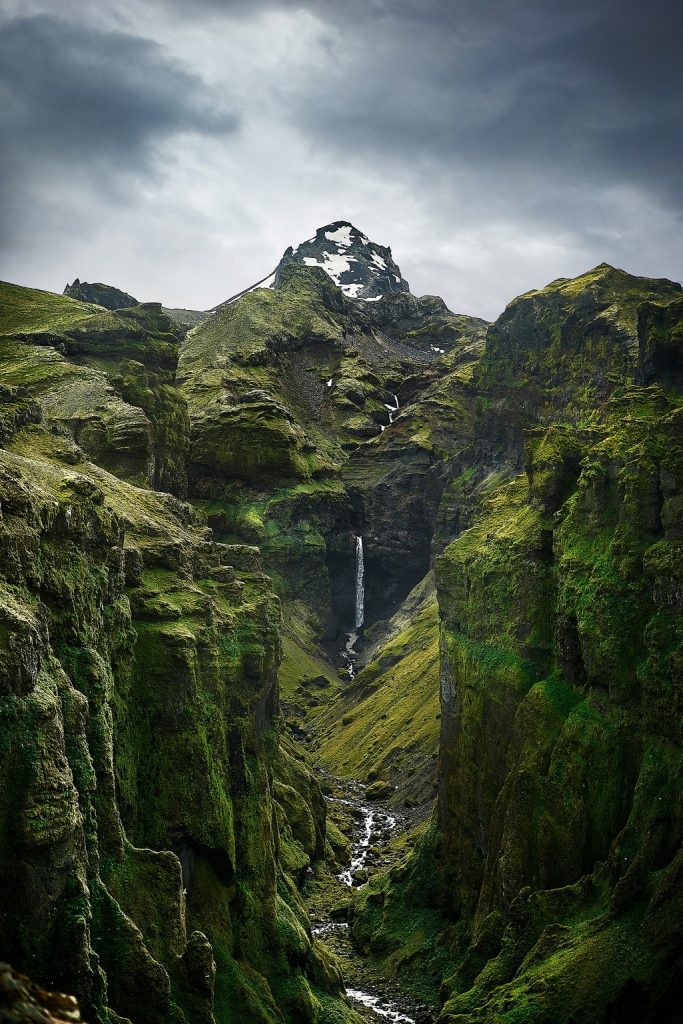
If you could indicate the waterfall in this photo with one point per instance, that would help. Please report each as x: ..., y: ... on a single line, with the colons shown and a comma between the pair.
x: 349, y: 652
x: 360, y: 584
x: 392, y: 409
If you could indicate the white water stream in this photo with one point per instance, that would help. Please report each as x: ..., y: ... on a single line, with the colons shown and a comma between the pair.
x: 375, y: 825
x: 373, y: 829
x: 378, y: 1005
x: 392, y: 410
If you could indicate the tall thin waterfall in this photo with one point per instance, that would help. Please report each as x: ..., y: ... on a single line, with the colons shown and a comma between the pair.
x: 360, y: 583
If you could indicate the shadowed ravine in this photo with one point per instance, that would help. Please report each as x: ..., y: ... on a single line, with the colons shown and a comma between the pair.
x: 371, y: 827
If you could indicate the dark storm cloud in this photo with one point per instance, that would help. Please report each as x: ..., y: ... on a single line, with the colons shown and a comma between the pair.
x: 493, y: 143
x: 590, y: 91
x: 519, y: 91
x: 75, y: 96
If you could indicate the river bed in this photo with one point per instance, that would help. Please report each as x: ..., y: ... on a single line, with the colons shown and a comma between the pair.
x: 371, y: 826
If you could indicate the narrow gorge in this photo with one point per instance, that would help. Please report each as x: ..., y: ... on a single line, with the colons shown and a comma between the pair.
x: 342, y: 651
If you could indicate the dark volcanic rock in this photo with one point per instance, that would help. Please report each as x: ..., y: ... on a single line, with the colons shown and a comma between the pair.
x: 361, y: 268
x: 379, y: 790
x: 154, y: 820
x: 101, y: 294
x: 23, y: 1002
x: 152, y: 826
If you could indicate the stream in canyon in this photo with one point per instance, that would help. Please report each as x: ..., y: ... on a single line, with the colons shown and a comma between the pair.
x: 370, y: 826
x: 392, y: 410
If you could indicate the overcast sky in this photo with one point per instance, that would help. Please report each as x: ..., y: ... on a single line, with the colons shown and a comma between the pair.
x: 175, y: 148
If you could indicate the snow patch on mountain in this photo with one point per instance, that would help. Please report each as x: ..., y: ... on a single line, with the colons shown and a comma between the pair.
x: 342, y: 235
x: 361, y: 268
x: 333, y: 263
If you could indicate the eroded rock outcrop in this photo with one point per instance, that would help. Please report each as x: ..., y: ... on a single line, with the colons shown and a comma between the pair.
x: 101, y: 294
x: 155, y: 820
x: 24, y: 1002
x: 149, y: 859
x: 106, y: 379
x: 559, y: 818
x: 283, y: 387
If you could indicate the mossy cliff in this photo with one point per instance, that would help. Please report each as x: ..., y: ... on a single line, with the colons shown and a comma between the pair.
x: 400, y: 480
x: 385, y: 722
x: 153, y: 828
x: 105, y: 377
x: 283, y: 386
x: 549, y: 885
x: 289, y: 392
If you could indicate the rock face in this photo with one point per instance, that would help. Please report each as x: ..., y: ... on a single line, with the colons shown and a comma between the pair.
x: 560, y: 819
x: 104, y: 379
x: 23, y: 1002
x: 361, y: 268
x: 283, y: 387
x: 153, y: 831
x: 398, y: 481
x: 100, y: 294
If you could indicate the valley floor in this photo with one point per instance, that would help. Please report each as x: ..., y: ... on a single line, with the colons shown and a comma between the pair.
x: 379, y: 836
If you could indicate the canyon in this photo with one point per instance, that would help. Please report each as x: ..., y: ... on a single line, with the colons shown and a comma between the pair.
x: 342, y: 650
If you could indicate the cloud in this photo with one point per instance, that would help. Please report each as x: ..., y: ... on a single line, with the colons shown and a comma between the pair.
x: 494, y: 145
x: 596, y: 94
x: 86, y: 91
x: 77, y: 99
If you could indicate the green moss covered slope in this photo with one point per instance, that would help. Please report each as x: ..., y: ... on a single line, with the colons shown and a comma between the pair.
x: 548, y: 887
x: 522, y: 658
x: 153, y: 830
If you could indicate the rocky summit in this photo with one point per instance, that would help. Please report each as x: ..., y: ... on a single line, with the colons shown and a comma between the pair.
x: 101, y: 294
x: 341, y: 649
x: 361, y: 268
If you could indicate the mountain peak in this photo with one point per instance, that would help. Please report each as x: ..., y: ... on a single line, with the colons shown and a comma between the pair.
x: 361, y: 268
x: 101, y: 294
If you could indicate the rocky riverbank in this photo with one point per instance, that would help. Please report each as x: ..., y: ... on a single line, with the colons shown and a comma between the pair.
x: 378, y: 837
